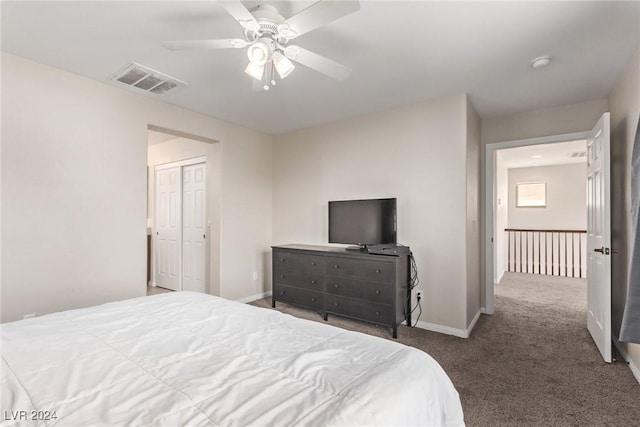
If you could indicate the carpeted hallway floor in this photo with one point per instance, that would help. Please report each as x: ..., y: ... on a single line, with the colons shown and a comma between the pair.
x: 531, y: 363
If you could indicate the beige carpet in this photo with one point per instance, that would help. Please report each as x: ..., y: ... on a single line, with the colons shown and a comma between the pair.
x: 531, y: 363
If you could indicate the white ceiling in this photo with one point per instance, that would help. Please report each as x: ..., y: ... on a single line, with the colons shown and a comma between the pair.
x: 400, y: 52
x: 543, y: 155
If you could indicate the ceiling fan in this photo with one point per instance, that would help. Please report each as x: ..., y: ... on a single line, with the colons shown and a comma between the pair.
x: 267, y: 35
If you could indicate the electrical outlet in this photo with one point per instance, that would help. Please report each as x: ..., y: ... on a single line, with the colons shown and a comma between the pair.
x: 418, y: 295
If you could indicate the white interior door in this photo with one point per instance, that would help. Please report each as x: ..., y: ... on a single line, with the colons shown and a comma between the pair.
x: 168, y: 228
x: 599, y: 237
x: 193, y: 228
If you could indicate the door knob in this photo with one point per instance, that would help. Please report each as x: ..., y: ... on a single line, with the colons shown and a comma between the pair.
x: 601, y: 250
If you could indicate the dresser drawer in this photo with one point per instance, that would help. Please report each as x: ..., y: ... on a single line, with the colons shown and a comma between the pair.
x: 375, y: 271
x: 298, y: 296
x: 297, y: 266
x: 370, y: 291
x: 360, y: 309
x: 311, y: 282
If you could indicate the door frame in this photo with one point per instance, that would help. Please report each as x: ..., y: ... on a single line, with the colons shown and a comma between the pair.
x: 491, y: 202
x: 170, y: 165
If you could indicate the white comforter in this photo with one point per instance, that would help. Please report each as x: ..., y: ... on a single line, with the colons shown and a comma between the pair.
x: 192, y: 359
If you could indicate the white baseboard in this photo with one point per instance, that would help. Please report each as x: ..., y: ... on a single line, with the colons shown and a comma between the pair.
x: 635, y: 370
x: 254, y: 297
x: 473, y: 323
x: 151, y: 283
x: 448, y: 330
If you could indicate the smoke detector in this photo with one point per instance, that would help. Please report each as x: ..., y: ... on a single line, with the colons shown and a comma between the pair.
x: 541, y: 61
x: 146, y: 79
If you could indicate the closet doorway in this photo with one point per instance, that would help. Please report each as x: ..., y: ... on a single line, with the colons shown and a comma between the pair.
x: 183, y: 212
x: 180, y: 226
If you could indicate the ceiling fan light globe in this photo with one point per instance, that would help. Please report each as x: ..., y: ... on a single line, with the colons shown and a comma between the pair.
x: 255, y: 70
x: 258, y: 53
x: 283, y: 65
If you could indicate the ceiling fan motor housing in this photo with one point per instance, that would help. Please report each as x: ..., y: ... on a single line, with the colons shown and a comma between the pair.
x: 272, y: 24
x: 268, y: 18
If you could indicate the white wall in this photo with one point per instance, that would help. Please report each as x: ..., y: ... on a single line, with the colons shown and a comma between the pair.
x: 566, y: 198
x: 624, y: 101
x: 181, y: 149
x: 418, y: 155
x: 473, y: 202
x: 544, y: 122
x: 501, y: 215
x: 74, y: 191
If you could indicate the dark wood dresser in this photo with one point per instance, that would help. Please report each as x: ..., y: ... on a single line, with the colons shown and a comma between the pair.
x: 373, y: 288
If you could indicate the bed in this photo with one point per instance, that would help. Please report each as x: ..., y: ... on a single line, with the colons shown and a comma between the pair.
x: 186, y: 358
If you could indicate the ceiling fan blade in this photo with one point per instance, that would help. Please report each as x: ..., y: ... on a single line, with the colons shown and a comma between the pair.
x: 319, y: 14
x: 317, y: 62
x: 205, y: 44
x: 241, y: 14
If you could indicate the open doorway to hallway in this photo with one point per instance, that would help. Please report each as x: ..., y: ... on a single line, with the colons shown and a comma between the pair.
x: 541, y: 219
x: 183, y: 212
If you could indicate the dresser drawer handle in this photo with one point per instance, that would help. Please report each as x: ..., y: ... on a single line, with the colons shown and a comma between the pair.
x: 282, y: 292
x: 336, y: 286
x: 313, y: 299
x: 282, y: 276
x: 336, y: 266
x: 281, y: 259
x: 377, y: 291
x: 378, y: 271
x: 336, y: 304
x: 313, y: 263
x: 377, y: 313
x: 313, y: 282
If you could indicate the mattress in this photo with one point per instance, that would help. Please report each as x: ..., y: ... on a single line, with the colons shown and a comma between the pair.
x: 192, y: 359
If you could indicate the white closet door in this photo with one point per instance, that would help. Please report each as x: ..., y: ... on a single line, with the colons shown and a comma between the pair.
x: 193, y: 228
x: 168, y: 223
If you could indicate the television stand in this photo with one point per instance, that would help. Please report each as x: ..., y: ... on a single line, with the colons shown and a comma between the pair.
x: 355, y: 284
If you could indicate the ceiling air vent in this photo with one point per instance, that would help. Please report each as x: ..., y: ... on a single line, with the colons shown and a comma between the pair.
x: 578, y: 154
x: 144, y: 78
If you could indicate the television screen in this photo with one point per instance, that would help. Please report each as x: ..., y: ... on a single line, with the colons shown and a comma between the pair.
x: 362, y: 222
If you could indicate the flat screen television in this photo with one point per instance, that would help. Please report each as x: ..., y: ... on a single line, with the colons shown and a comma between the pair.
x: 362, y: 222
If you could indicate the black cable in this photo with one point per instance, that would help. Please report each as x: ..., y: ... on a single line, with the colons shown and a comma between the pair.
x: 419, y: 314
x: 414, y: 280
